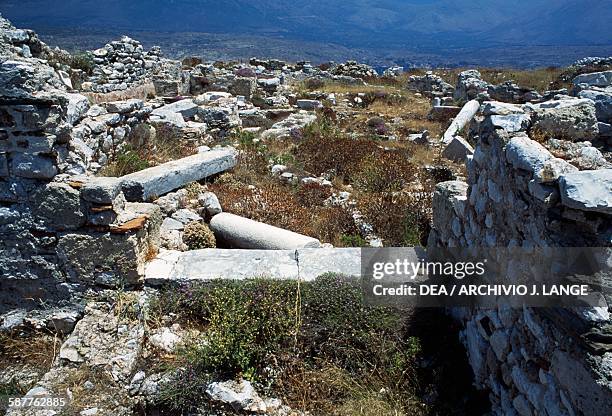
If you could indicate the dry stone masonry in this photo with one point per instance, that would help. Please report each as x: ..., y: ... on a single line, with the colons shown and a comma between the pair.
x: 539, y: 174
x: 120, y: 64
x: 523, y: 193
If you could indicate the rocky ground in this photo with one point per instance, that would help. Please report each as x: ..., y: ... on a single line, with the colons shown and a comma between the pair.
x: 149, y: 159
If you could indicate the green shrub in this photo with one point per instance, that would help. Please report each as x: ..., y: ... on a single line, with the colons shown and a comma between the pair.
x: 198, y: 235
x: 353, y: 241
x: 83, y: 61
x: 281, y: 334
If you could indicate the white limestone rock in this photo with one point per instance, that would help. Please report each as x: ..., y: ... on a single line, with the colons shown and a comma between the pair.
x: 589, y: 190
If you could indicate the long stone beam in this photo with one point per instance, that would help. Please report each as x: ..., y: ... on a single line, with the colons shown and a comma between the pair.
x: 466, y: 114
x: 210, y: 264
x: 148, y: 184
x: 240, y: 232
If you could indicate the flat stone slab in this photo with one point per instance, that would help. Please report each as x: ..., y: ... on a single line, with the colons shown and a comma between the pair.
x: 210, y: 264
x: 314, y: 262
x: 186, y: 108
x: 588, y: 190
x: 151, y: 183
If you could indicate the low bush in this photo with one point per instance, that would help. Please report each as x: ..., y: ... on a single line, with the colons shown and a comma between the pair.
x: 353, y: 241
x: 326, y: 148
x: 317, y: 345
x: 384, y: 172
x: 198, y: 235
x: 400, y: 219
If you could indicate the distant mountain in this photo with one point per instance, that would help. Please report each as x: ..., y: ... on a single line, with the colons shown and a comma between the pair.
x: 417, y: 25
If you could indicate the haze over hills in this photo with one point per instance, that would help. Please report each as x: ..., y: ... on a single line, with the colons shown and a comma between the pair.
x: 378, y: 28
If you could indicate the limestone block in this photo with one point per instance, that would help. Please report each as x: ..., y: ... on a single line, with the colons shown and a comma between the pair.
x: 594, y: 79
x: 58, y: 206
x: 526, y: 154
x: 154, y: 182
x: 101, y: 190
x: 33, y: 166
x: 457, y: 149
x: 589, y: 190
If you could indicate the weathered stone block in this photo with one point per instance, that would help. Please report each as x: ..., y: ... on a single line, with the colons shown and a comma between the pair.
x: 526, y: 154
x: 235, y: 264
x: 458, y: 149
x: 511, y: 122
x: 101, y: 190
x: 122, y: 107
x: 28, y: 144
x: 186, y: 108
x: 153, y: 182
x: 244, y: 86
x: 594, y: 79
x: 589, y: 190
x: 603, y: 103
x: 167, y: 87
x: 449, y: 199
x: 316, y: 261
x: 112, y: 259
x: 552, y: 169
x: 573, y: 119
x: 58, y: 206
x: 3, y: 166
x: 309, y: 104
x: 33, y: 166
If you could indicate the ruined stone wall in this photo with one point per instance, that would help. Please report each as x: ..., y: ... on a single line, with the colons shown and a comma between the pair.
x: 60, y: 231
x: 120, y: 64
x: 519, y: 194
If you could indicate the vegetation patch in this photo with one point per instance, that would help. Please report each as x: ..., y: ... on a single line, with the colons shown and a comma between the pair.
x: 318, y: 345
x: 198, y: 235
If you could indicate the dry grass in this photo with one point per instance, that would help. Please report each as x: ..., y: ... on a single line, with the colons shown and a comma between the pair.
x: 299, y: 210
x: 338, y: 88
x: 37, y: 348
x: 409, y: 106
x: 333, y: 391
x: 538, y: 79
x: 140, y: 92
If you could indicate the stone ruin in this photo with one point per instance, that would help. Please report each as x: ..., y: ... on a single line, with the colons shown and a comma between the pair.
x: 520, y: 193
x: 121, y: 63
x: 65, y: 231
